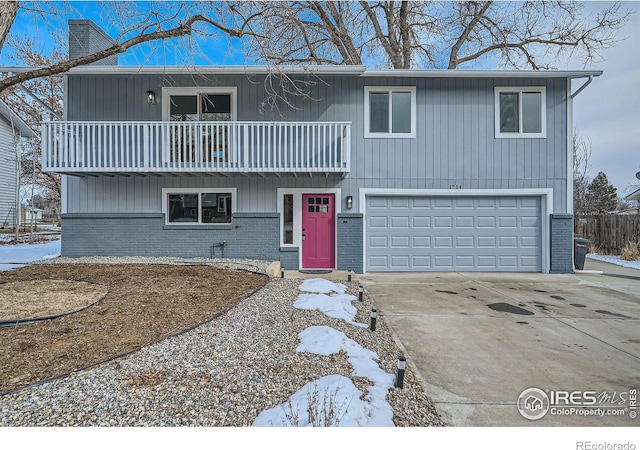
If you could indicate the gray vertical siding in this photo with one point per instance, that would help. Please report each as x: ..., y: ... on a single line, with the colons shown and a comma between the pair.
x: 8, y: 176
x: 455, y: 143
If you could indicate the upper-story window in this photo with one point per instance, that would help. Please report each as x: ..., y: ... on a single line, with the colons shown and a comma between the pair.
x: 520, y: 112
x: 199, y: 104
x: 389, y: 112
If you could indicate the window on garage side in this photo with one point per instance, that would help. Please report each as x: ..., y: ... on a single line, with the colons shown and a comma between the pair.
x: 520, y: 112
x: 199, y: 207
x: 390, y: 112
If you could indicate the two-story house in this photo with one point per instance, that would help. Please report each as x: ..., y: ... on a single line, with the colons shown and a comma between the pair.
x: 377, y: 170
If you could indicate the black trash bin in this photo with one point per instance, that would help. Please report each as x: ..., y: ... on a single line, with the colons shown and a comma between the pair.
x: 580, y: 250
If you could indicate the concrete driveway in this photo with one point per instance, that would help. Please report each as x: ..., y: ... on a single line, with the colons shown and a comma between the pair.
x: 479, y: 339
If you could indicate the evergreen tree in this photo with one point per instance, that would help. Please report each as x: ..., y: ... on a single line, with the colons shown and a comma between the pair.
x: 603, y: 197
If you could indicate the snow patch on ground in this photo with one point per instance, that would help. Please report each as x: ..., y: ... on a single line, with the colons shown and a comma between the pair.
x: 337, y: 306
x: 614, y: 260
x: 322, y: 286
x: 334, y: 397
x: 27, y: 253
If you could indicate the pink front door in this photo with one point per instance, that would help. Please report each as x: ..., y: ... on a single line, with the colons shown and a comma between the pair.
x: 318, y: 231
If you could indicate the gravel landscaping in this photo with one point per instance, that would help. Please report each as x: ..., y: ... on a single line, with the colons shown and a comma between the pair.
x: 222, y: 373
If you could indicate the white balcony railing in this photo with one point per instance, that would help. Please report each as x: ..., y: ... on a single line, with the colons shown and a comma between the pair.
x: 95, y: 147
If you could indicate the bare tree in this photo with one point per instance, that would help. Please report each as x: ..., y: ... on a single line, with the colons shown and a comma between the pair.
x: 8, y: 12
x: 49, y: 91
x: 406, y: 34
x: 581, y: 167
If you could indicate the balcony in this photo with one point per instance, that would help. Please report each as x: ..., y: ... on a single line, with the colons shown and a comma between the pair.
x: 182, y: 148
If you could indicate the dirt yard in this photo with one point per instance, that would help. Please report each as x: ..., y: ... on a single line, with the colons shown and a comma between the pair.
x: 144, y: 304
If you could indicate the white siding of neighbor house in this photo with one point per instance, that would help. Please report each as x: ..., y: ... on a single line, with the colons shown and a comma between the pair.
x: 7, y: 172
x: 455, y: 143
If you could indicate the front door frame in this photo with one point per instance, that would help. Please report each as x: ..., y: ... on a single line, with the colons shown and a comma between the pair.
x: 297, y: 216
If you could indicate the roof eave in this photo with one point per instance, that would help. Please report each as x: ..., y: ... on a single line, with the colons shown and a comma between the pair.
x: 319, y: 70
x: 635, y: 195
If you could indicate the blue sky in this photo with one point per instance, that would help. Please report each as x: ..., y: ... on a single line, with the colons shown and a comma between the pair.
x: 607, y: 112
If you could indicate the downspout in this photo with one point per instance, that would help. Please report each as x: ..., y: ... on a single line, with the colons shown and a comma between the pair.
x: 570, y: 167
x: 581, y: 88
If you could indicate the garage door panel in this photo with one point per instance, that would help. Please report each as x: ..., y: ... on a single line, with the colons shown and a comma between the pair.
x: 507, y: 221
x: 399, y: 202
x: 376, y: 203
x: 508, y: 241
x: 528, y: 242
x: 486, y: 221
x: 529, y: 222
x: 400, y: 222
x: 421, y: 241
x: 443, y: 241
x: 400, y: 242
x: 463, y: 202
x: 487, y: 241
x: 378, y: 241
x: 454, y: 233
x: 464, y: 242
x: 421, y: 222
x: 443, y: 203
x: 421, y: 262
x: 400, y: 262
x: 464, y: 222
x: 421, y: 203
x: 487, y: 262
x: 465, y: 262
x: 378, y: 222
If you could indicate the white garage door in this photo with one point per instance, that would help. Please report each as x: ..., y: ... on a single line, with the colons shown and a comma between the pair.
x: 453, y: 233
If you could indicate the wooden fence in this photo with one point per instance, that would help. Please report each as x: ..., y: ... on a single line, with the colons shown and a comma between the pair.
x: 609, y: 233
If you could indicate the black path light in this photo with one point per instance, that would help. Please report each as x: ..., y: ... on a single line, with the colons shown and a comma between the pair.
x: 282, y: 272
x: 349, y: 276
x: 374, y: 318
x: 402, y: 363
x: 360, y: 293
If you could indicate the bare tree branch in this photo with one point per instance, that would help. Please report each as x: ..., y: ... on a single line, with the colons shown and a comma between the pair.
x: 183, y: 29
x: 8, y: 12
x: 405, y: 34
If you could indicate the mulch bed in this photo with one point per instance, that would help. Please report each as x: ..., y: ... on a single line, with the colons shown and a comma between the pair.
x: 144, y: 304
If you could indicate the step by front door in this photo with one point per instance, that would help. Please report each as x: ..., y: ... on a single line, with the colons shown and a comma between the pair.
x: 318, y: 231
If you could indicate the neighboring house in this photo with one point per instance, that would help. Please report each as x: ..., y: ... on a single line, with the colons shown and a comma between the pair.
x: 30, y: 215
x: 12, y: 130
x: 383, y: 170
x: 634, y: 196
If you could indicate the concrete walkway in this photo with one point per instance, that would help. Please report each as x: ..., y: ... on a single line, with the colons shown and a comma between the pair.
x: 479, y: 339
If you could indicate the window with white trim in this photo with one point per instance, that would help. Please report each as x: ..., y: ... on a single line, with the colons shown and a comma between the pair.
x: 198, y: 206
x: 520, y: 112
x: 389, y: 112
